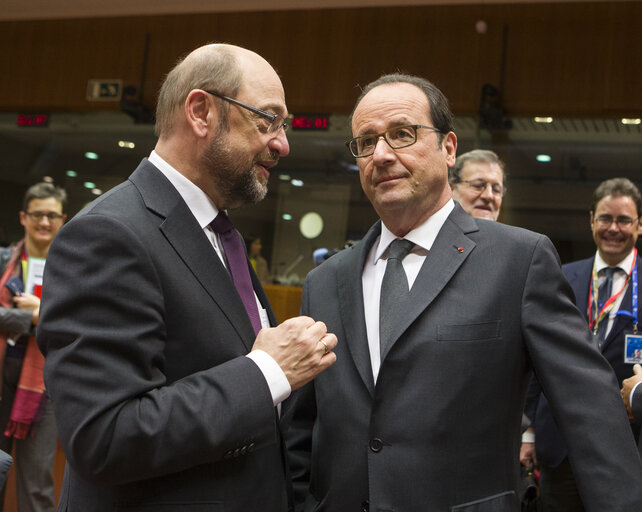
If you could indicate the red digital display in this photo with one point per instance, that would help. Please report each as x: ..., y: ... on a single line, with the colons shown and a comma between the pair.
x: 310, y: 122
x: 32, y: 119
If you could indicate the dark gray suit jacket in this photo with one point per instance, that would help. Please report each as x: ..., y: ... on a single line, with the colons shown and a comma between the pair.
x: 550, y: 445
x: 440, y: 430
x: 144, y: 336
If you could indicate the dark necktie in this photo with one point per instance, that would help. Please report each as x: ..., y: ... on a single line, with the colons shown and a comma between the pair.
x: 237, y: 262
x: 394, y: 290
x: 603, y: 294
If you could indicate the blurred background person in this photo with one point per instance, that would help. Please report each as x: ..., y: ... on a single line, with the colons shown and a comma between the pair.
x: 26, y: 414
x: 603, y: 287
x: 259, y: 263
x: 478, y: 182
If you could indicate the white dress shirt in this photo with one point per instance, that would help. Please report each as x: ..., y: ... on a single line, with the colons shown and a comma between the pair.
x: 375, y: 266
x: 205, y: 211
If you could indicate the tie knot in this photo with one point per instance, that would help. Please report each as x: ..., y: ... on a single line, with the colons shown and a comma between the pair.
x: 222, y: 223
x: 609, y: 271
x: 399, y: 248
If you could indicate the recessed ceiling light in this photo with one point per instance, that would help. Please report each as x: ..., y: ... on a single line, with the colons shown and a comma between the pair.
x: 543, y: 158
x: 631, y: 120
x: 284, y: 177
x: 71, y: 174
x: 91, y: 155
x: 89, y: 184
x: 286, y: 216
x: 296, y: 183
x: 540, y: 119
x: 126, y: 144
x: 96, y: 191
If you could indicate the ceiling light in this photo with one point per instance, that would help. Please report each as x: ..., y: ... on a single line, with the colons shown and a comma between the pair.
x: 126, y: 144
x: 71, y: 174
x: 543, y: 158
x: 546, y: 120
x: 96, y: 191
x: 296, y: 183
x: 91, y: 155
x: 631, y: 120
x: 284, y: 177
x: 89, y: 184
x: 47, y: 179
x: 286, y: 216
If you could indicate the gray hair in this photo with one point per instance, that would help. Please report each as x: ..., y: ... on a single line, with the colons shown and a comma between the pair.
x: 484, y: 156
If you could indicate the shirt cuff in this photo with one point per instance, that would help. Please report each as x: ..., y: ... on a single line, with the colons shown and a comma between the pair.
x: 528, y: 437
x: 633, y: 393
x: 276, y: 380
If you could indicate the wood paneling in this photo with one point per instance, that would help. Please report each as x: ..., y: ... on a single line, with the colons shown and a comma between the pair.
x: 561, y: 59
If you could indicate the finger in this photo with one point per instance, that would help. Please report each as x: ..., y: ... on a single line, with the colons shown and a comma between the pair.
x: 637, y: 369
x: 331, y: 340
x: 318, y: 329
x: 325, y: 348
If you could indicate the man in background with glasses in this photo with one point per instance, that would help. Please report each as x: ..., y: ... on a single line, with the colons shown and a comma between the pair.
x: 26, y: 414
x: 163, y: 357
x: 605, y: 288
x: 440, y: 320
x: 478, y: 183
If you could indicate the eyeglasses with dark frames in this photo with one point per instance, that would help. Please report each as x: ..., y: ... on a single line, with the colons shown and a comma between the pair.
x: 480, y: 185
x: 276, y: 121
x: 397, y: 137
x: 622, y: 221
x: 38, y: 216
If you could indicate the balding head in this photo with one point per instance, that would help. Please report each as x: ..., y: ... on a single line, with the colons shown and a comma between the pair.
x: 217, y: 67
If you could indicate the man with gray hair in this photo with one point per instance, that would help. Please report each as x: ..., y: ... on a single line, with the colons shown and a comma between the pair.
x: 478, y: 182
x: 163, y: 358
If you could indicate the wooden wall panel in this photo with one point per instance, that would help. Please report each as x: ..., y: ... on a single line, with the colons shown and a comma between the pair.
x: 561, y: 59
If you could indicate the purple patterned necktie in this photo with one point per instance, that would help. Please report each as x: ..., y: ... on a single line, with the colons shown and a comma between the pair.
x: 237, y: 262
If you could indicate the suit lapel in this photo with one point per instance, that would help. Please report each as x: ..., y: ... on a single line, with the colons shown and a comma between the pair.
x: 449, y: 251
x: 350, y: 290
x: 188, y: 240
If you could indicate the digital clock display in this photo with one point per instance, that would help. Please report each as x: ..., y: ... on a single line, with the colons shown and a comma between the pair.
x: 310, y: 122
x: 32, y: 120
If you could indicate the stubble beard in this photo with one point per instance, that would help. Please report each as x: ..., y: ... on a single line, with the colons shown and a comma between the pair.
x: 236, y: 179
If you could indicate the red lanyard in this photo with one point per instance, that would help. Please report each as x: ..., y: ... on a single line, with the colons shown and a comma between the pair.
x: 608, y: 305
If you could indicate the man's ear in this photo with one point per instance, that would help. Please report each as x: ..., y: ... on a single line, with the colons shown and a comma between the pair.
x: 200, y: 112
x: 450, y: 145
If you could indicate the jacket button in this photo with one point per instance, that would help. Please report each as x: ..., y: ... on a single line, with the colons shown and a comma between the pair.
x: 376, y: 445
x: 365, y: 506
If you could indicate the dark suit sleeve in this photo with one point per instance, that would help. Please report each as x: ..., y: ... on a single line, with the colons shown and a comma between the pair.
x: 300, y: 414
x: 104, y: 330
x: 636, y: 405
x: 581, y: 388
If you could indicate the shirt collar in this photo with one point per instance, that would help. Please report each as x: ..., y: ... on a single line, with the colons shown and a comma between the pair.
x: 423, y: 236
x: 625, y: 264
x: 197, y: 201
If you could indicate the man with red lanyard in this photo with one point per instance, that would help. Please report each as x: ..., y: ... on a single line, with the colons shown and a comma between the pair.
x: 26, y: 415
x: 605, y: 288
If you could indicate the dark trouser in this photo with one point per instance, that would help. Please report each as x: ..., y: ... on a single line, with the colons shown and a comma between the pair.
x: 34, y: 456
x: 558, y: 490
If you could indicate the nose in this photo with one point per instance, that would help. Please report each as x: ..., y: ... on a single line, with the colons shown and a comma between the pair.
x: 488, y: 193
x: 382, y: 151
x: 280, y: 143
